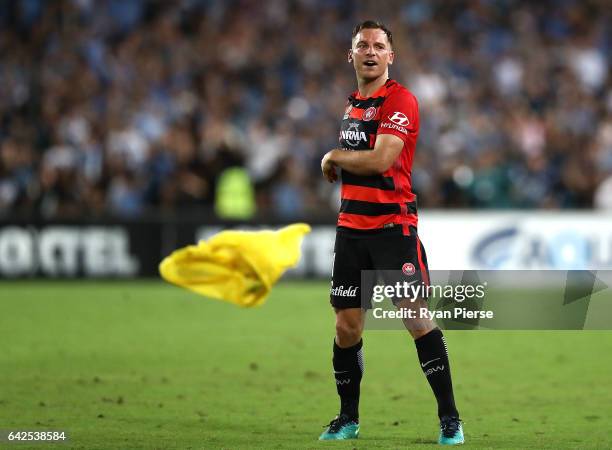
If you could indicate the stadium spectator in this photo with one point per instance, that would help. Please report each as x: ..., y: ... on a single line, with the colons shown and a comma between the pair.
x: 130, y: 107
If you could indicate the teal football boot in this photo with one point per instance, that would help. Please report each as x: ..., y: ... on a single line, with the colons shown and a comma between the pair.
x: 342, y: 427
x: 451, y: 431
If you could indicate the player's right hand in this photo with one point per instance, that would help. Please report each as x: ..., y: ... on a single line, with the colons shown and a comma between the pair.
x: 328, y: 168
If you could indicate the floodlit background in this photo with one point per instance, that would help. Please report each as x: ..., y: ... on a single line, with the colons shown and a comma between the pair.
x: 127, y: 107
x: 129, y: 128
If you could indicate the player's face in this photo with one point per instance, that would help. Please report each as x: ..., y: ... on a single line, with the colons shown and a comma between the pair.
x: 371, y: 54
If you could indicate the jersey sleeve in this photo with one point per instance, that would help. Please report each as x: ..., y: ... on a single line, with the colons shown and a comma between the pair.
x: 399, y: 116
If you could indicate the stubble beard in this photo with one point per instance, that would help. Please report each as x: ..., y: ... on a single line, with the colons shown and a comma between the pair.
x: 365, y: 78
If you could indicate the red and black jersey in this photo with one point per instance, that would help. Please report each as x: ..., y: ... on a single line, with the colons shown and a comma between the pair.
x: 377, y: 202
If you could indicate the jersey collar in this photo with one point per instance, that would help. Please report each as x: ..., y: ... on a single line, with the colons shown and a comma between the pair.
x: 380, y: 92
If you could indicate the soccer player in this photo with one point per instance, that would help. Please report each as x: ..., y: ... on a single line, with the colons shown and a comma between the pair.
x: 377, y: 227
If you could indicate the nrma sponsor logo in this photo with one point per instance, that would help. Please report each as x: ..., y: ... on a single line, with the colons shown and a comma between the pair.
x: 353, y: 136
x: 513, y: 248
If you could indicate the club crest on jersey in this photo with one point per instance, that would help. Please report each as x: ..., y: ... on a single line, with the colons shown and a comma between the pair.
x: 408, y: 269
x: 369, y: 114
x: 352, y: 136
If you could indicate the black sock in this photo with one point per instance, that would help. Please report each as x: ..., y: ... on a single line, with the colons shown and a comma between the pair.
x: 433, y: 357
x: 348, y: 370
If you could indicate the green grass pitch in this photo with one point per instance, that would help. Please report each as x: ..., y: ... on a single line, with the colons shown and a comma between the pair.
x: 147, y: 365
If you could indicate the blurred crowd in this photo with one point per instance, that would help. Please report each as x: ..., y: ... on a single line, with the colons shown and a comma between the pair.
x: 127, y: 107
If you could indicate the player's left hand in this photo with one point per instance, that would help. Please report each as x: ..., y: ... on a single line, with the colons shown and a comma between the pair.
x: 328, y: 168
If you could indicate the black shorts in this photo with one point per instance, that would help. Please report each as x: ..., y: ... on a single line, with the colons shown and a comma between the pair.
x: 391, y: 258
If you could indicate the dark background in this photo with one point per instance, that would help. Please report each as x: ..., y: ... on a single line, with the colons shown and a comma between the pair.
x: 127, y: 108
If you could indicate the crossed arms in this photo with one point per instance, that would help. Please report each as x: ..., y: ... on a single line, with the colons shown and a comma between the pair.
x: 370, y: 162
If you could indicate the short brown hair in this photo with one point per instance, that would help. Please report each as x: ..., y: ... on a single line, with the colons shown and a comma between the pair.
x: 373, y: 25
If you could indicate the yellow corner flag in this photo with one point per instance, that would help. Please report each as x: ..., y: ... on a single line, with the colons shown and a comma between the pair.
x: 237, y: 266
